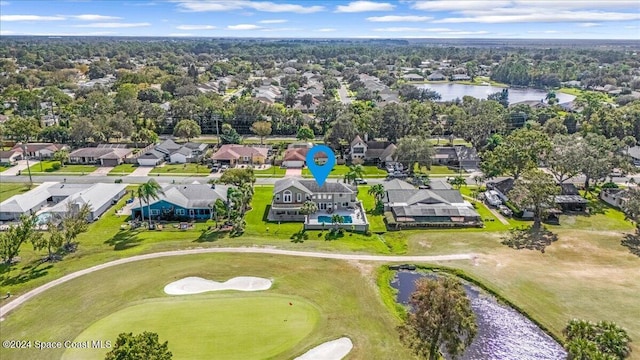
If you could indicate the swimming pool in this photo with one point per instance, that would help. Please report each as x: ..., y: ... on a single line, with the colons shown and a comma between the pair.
x: 327, y: 219
x: 43, y: 218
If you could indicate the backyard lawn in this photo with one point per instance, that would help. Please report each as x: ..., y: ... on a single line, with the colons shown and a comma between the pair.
x: 123, y: 169
x: 3, y: 168
x: 435, y: 170
x: 188, y: 168
x: 47, y: 166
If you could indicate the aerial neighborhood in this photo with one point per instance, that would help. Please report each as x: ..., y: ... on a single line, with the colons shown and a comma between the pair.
x: 136, y: 174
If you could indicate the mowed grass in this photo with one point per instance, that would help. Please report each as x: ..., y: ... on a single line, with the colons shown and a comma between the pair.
x: 231, y: 327
x: 7, y: 190
x: 46, y: 166
x: 188, y: 168
x: 275, y: 171
x: 123, y: 169
x: 339, y: 171
x: 3, y: 168
x: 345, y: 297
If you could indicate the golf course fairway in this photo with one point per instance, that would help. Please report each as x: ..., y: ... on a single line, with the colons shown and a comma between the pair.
x: 246, y: 327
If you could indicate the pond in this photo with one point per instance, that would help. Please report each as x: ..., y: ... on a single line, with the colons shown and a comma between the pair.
x: 452, y: 91
x: 503, y: 333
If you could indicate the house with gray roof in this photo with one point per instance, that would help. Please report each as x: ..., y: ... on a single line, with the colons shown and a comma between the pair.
x: 407, y: 206
x: 181, y: 202
x: 181, y: 153
x: 376, y: 152
x: 289, y: 194
x: 103, y: 155
x: 150, y: 157
x: 55, y: 198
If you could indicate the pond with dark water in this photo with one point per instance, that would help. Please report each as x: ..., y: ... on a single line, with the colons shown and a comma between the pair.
x: 452, y: 91
x: 503, y: 333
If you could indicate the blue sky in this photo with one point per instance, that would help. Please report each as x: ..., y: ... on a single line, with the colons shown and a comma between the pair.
x: 572, y: 19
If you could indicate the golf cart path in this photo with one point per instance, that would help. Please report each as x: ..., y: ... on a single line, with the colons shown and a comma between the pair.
x: 4, y: 310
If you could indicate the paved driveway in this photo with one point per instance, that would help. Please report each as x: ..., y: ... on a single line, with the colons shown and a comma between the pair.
x: 101, y: 171
x: 293, y: 173
x: 141, y: 171
x: 22, y: 165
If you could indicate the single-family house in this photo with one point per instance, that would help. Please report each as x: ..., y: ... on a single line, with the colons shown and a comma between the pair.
x: 232, y: 154
x: 460, y: 77
x: 376, y: 152
x: 181, y: 153
x: 10, y: 157
x: 102, y: 155
x: 150, y: 157
x: 570, y: 199
x: 331, y: 198
x: 413, y: 77
x: 39, y: 150
x: 436, y: 76
x: 456, y: 156
x: 406, y: 206
x: 615, y: 197
x: 52, y: 198
x: 634, y: 154
x: 177, y: 202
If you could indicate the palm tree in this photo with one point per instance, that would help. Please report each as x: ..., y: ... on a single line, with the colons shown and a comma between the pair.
x: 147, y: 191
x: 355, y: 172
x: 378, y: 192
x: 234, y: 202
x: 218, y: 210
x: 336, y: 220
x: 309, y: 207
x: 246, y: 190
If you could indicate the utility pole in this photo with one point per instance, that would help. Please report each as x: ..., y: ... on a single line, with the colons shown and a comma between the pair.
x: 217, y: 117
x: 24, y: 153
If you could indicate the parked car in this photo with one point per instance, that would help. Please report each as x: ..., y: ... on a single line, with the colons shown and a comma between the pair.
x: 492, y: 198
x: 360, y: 181
x: 223, y: 168
x: 616, y: 173
x: 505, y: 210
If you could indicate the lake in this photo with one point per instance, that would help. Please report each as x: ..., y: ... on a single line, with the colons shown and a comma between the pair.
x: 452, y: 91
x: 503, y: 333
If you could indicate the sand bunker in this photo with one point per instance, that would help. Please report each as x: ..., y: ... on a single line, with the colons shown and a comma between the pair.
x: 331, y: 350
x: 197, y: 285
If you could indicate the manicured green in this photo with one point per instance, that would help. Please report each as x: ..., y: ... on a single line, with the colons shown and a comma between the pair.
x: 231, y: 327
x: 123, y: 169
x: 435, y: 170
x: 7, y: 190
x: 339, y: 171
x: 3, y: 168
x: 376, y: 220
x: 46, y: 166
x: 335, y: 296
x: 188, y: 168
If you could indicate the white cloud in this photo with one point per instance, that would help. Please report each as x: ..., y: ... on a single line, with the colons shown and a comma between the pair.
x: 396, y: 18
x: 179, y: 34
x: 243, y: 27
x: 546, y: 16
x: 543, y: 32
x: 114, y: 25
x: 266, y: 6
x: 4, y: 3
x: 459, y: 5
x: 93, y: 17
x: 589, y: 24
x: 363, y: 6
x: 327, y: 30
x: 8, y: 18
x: 7, y: 32
x: 195, y: 27
x: 273, y: 21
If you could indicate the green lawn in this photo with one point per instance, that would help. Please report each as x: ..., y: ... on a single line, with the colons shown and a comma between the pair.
x: 339, y: 171
x: 330, y: 299
x: 376, y: 221
x: 3, y: 168
x: 229, y: 326
x: 7, y: 190
x: 46, y: 166
x: 123, y: 169
x: 435, y: 170
x: 188, y: 168
x: 273, y: 171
